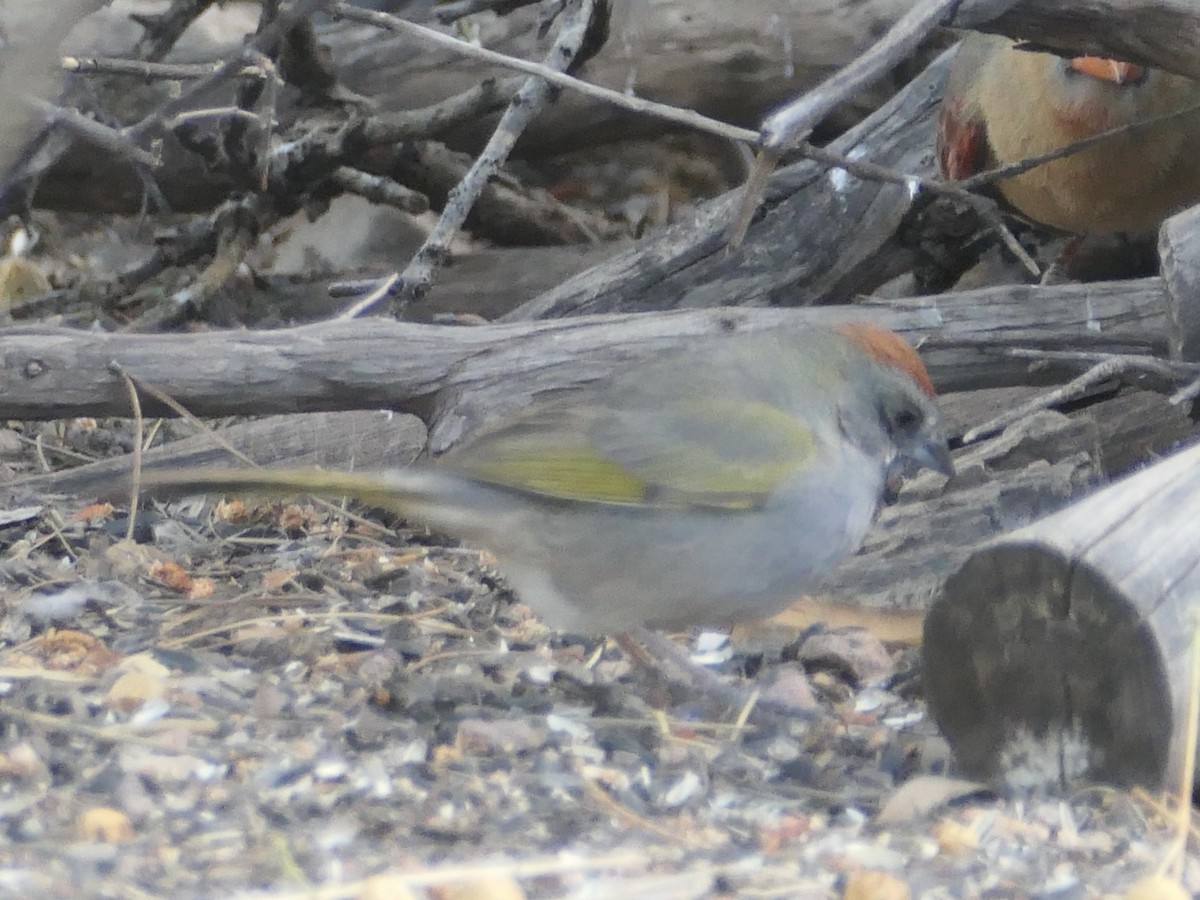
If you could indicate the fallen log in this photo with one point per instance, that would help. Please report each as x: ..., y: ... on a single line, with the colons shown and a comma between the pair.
x: 1059, y: 653
x: 456, y: 377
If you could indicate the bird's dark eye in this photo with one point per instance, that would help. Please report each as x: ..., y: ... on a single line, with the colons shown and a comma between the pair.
x: 905, y: 419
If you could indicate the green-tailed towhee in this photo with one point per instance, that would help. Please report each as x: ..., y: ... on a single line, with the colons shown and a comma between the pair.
x: 1004, y: 104
x: 710, y: 485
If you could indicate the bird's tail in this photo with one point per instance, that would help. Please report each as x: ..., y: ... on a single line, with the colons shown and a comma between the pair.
x: 396, y: 490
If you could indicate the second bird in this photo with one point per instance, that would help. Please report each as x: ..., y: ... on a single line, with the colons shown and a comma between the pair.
x: 1004, y: 104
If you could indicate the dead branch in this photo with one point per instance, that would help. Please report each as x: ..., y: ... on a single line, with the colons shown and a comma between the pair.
x: 457, y: 377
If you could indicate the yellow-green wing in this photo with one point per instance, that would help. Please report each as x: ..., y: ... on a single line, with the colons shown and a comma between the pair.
x: 695, y: 451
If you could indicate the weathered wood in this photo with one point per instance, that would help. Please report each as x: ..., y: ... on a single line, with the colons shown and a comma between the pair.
x: 1059, y: 652
x: 813, y: 242
x: 1163, y: 33
x: 730, y: 61
x: 1034, y: 468
x: 338, y: 440
x: 1179, y: 251
x: 1136, y: 426
x: 919, y: 540
x: 454, y: 378
x: 821, y: 237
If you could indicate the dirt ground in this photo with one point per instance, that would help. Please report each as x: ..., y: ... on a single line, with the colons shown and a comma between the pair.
x: 295, y: 700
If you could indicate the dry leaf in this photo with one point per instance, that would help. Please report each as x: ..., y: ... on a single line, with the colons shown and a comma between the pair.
x: 294, y: 517
x: 775, y: 837
x: 94, y: 511
x: 201, y: 588
x: 497, y: 887
x: 277, y: 578
x: 102, y: 823
x: 20, y: 279
x: 171, y: 575
x: 954, y: 838
x: 66, y: 651
x: 875, y: 885
x: 232, y: 511
x: 133, y: 689
x: 1156, y: 887
x: 889, y: 626
x: 387, y: 887
x: 923, y: 794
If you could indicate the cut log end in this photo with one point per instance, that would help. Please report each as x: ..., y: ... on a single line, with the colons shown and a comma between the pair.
x: 1041, y: 673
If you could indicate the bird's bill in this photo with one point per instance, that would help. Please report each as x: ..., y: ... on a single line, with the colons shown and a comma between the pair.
x: 932, y: 455
x: 1108, y: 69
x: 935, y: 455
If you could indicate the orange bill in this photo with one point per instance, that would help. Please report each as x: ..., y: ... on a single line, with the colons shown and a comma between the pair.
x: 1108, y: 69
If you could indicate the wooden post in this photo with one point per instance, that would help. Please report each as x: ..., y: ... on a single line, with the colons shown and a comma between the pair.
x: 1059, y: 653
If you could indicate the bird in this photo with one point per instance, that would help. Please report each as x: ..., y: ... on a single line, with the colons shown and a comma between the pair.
x: 705, y: 486
x: 1004, y: 104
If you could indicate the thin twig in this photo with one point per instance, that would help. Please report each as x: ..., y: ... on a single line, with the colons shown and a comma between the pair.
x: 983, y: 179
x: 379, y: 292
x: 184, y: 413
x: 212, y: 112
x: 483, y: 873
x: 135, y: 480
x: 545, y: 71
x: 628, y: 816
x: 418, y: 275
x: 380, y: 189
x: 1072, y: 390
x: 1186, y: 394
x: 1102, y: 367
x: 1169, y: 370
x: 246, y: 61
x: 114, y: 140
x: 429, y: 121
x: 236, y: 226
x: 984, y: 206
x: 861, y: 168
x: 164, y: 29
x: 452, y: 12
x: 795, y: 121
x: 138, y: 68
x: 1187, y: 774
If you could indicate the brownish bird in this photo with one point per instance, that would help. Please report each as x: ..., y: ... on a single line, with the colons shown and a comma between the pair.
x: 1004, y: 104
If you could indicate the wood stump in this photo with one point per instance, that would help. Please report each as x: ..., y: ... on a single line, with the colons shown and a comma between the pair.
x: 1059, y: 653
